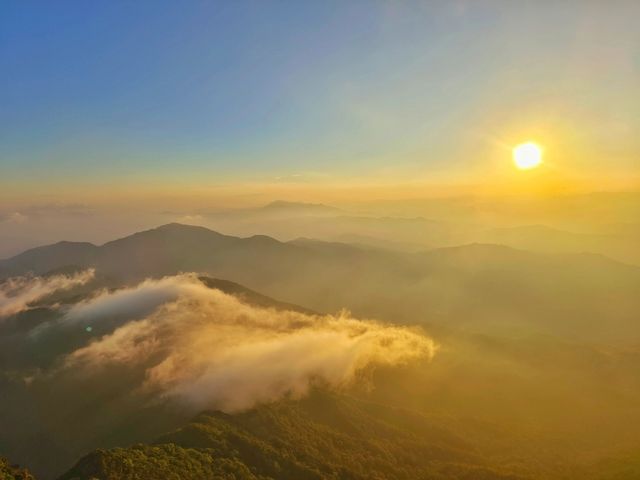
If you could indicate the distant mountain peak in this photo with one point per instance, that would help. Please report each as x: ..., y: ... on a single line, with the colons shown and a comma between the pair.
x: 178, y: 226
x: 172, y: 228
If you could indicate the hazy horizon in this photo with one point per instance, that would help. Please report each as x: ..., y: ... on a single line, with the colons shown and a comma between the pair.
x: 154, y: 96
x: 372, y: 106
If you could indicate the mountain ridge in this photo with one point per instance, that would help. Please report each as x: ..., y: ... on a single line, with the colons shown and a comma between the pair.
x: 174, y: 228
x: 456, y: 282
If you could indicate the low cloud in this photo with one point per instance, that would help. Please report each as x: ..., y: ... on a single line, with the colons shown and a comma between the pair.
x: 207, y: 349
x: 191, y: 219
x: 13, y: 217
x: 131, y: 303
x: 18, y: 293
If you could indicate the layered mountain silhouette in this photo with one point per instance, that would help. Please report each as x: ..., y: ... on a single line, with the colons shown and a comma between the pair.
x: 479, y: 285
x: 532, y: 345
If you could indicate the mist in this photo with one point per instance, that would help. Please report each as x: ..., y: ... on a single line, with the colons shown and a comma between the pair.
x: 18, y: 293
x: 208, y: 349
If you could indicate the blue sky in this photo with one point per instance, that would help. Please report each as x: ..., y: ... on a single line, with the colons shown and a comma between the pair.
x: 270, y: 89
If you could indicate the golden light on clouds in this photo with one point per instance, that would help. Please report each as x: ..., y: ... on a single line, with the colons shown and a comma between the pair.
x: 527, y: 155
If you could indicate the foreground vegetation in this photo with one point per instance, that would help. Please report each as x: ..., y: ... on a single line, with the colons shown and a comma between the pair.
x: 322, y: 437
x: 13, y: 472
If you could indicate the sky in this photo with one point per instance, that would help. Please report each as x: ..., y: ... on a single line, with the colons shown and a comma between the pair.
x: 148, y: 98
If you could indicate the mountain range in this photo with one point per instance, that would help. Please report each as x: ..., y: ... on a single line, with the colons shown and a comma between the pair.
x: 481, y: 286
x: 535, y: 374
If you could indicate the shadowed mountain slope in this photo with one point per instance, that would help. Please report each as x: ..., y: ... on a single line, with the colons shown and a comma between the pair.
x: 324, y: 436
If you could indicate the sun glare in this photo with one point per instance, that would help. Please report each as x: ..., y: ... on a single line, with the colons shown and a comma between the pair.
x: 527, y: 155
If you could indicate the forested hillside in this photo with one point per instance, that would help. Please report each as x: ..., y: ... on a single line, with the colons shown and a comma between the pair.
x: 324, y: 436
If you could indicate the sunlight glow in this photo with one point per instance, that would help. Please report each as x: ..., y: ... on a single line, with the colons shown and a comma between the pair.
x: 527, y: 155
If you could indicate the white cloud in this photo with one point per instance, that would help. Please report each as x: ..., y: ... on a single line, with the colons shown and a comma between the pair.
x: 208, y: 349
x: 17, y: 293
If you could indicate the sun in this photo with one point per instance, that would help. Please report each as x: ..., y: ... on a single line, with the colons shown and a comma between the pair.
x: 527, y: 155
